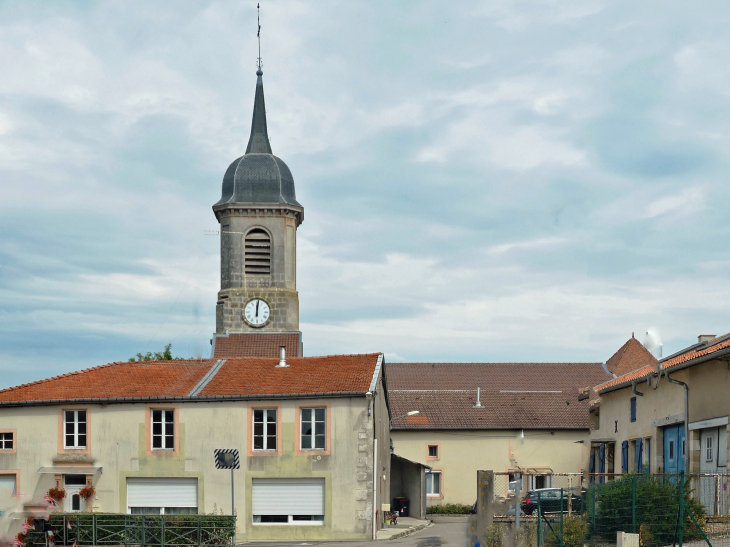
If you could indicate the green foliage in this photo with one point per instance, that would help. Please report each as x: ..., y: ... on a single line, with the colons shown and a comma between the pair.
x: 495, y: 535
x: 448, y: 509
x: 655, y: 502
x: 575, y: 529
x: 165, y: 355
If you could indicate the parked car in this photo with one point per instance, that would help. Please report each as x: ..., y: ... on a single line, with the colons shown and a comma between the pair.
x: 550, y: 501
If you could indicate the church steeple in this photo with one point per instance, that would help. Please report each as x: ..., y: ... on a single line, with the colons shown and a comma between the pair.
x: 258, y: 142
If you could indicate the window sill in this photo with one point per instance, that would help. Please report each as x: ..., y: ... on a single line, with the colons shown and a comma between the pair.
x: 298, y: 523
x: 74, y: 448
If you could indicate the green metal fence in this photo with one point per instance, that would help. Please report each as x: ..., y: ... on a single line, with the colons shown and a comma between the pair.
x: 662, y: 509
x: 133, y: 530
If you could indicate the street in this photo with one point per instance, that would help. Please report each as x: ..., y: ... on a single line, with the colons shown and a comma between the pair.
x: 451, y: 534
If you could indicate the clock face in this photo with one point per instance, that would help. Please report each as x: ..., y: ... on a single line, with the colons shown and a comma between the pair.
x: 256, y: 312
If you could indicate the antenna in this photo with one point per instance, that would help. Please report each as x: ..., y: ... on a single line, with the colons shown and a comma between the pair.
x: 258, y: 35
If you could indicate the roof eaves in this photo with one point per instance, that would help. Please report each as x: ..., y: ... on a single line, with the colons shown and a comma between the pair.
x: 376, y: 373
x: 185, y: 398
x: 496, y: 427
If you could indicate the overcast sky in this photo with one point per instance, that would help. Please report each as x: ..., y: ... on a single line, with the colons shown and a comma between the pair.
x: 482, y: 181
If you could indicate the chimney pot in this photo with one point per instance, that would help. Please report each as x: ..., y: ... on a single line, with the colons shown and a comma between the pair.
x: 479, y: 401
x: 282, y: 357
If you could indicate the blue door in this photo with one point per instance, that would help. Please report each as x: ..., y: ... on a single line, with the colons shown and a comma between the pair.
x: 674, y: 447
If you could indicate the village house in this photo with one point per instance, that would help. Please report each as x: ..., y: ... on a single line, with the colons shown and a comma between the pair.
x: 668, y: 417
x: 506, y: 417
x: 312, y: 434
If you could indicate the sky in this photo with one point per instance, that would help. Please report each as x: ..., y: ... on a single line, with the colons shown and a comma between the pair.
x: 482, y: 181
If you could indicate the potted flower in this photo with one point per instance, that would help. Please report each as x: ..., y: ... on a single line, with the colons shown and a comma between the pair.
x: 87, y: 492
x: 57, y: 494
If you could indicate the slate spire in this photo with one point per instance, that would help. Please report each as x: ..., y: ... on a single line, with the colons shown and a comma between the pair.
x: 258, y: 142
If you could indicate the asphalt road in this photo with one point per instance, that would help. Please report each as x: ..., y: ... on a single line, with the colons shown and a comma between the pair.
x: 440, y: 534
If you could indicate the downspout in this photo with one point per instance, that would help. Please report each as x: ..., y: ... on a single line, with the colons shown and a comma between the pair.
x: 686, y: 418
x: 633, y: 388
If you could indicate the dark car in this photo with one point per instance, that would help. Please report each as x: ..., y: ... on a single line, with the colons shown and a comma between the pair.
x: 550, y: 501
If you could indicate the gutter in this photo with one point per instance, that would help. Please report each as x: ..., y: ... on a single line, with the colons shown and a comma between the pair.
x: 185, y: 399
x: 673, y: 368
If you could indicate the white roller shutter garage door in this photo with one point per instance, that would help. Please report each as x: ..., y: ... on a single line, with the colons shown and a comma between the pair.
x: 170, y: 495
x: 298, y: 499
x: 7, y: 485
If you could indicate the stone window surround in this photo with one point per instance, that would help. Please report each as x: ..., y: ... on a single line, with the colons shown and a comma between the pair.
x: 298, y: 451
x: 16, y: 473
x: 249, y: 437
x: 14, y: 433
x: 62, y: 430
x: 438, y: 451
x: 148, y: 450
x: 440, y: 495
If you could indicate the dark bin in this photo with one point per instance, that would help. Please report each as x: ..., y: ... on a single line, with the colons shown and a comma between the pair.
x: 395, y: 506
x: 404, y: 507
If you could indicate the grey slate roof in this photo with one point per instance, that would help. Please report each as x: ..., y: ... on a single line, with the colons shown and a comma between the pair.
x: 258, y: 176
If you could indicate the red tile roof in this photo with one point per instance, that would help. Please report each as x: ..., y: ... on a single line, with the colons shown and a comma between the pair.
x: 514, y: 395
x: 256, y: 344
x: 631, y: 356
x: 680, y: 360
x: 332, y: 374
x: 241, y: 377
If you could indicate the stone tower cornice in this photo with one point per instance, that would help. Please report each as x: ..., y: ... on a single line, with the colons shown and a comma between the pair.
x: 258, y: 209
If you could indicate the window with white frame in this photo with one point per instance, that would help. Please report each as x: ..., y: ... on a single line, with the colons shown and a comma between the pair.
x: 313, y: 422
x: 6, y: 440
x: 163, y: 429
x: 74, y: 429
x: 264, y: 429
x: 433, y: 483
x: 708, y: 449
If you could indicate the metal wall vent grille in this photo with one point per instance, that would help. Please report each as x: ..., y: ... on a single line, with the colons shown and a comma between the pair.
x: 257, y: 259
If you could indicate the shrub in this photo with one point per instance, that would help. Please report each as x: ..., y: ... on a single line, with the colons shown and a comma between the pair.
x: 656, y: 508
x: 574, y: 532
x: 448, y: 509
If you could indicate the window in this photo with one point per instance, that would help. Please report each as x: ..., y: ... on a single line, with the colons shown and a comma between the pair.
x: 671, y: 450
x: 708, y: 449
x: 433, y: 451
x: 633, y: 409
x: 264, y: 429
x: 313, y: 429
x: 433, y: 483
x: 74, y: 428
x: 162, y: 496
x: 6, y: 440
x: 163, y: 429
x: 298, y: 502
x: 257, y: 256
x: 163, y: 510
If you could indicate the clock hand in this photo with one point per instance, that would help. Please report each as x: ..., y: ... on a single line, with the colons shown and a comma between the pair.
x: 257, y: 308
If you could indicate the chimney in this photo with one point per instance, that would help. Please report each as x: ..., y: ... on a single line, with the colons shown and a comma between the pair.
x: 479, y: 402
x: 705, y: 338
x: 282, y: 357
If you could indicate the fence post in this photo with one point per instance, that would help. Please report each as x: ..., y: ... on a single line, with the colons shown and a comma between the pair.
x: 561, y: 517
x: 570, y: 495
x: 78, y: 531
x: 200, y: 536
x: 93, y: 529
x: 681, y: 509
x: 539, y: 521
x: 633, y: 504
x: 594, y: 510
x: 143, y: 538
x: 162, y: 531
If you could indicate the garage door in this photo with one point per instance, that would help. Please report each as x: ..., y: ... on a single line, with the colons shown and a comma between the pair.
x: 162, y: 496
x: 288, y: 500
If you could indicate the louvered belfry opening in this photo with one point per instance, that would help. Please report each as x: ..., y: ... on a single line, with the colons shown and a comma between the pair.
x: 257, y: 259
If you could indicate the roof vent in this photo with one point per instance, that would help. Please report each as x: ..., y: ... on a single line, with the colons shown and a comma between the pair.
x: 705, y: 338
x: 282, y: 357
x: 479, y: 402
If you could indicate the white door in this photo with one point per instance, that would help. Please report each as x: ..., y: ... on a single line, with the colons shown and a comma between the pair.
x: 162, y: 496
x: 73, y: 484
x: 288, y: 501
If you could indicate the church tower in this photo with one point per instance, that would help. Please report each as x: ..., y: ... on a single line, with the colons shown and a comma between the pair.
x: 259, y: 215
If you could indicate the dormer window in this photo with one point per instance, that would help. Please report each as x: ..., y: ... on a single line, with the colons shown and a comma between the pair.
x: 257, y: 259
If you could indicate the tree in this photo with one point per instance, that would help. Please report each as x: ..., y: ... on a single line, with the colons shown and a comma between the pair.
x: 165, y: 355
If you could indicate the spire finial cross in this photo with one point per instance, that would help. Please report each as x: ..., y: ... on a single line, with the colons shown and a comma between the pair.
x: 258, y: 35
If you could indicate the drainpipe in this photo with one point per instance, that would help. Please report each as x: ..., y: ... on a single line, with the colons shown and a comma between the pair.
x: 686, y: 418
x: 633, y: 388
